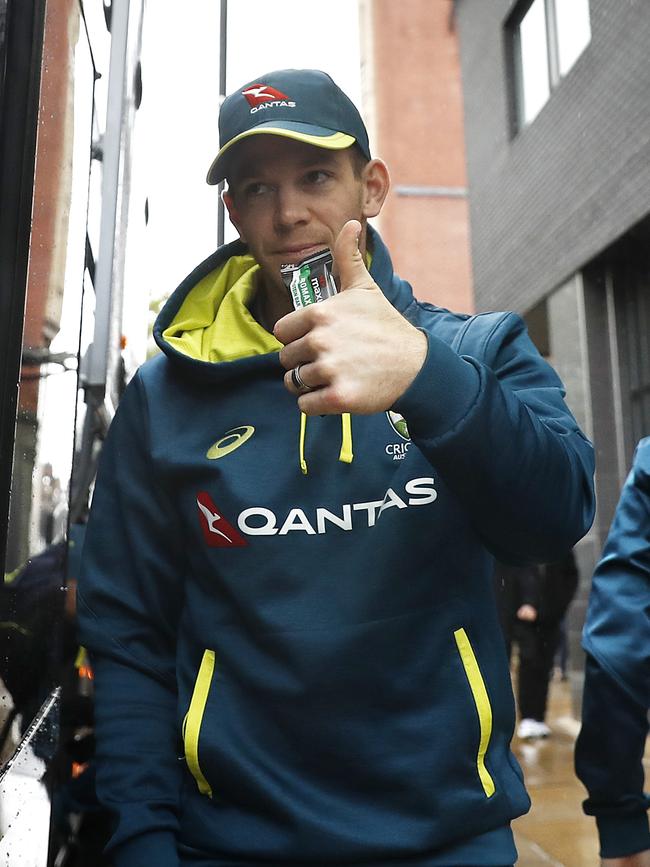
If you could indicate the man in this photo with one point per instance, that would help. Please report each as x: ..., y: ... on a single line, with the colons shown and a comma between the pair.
x: 289, y: 607
x: 532, y: 602
x: 616, y: 637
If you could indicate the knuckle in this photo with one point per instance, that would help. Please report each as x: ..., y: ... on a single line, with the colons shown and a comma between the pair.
x: 338, y: 398
x: 325, y: 370
x: 316, y: 341
x: 316, y: 313
x: 322, y: 314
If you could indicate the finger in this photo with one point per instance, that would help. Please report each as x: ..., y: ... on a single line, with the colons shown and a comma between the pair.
x: 294, y: 325
x: 318, y: 402
x: 297, y: 352
x: 351, y: 268
x: 308, y: 376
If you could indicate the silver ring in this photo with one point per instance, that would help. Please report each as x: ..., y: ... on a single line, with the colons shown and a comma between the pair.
x: 298, y: 381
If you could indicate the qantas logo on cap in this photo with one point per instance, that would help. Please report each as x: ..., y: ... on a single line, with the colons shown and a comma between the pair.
x: 218, y: 533
x: 261, y: 96
x: 262, y: 93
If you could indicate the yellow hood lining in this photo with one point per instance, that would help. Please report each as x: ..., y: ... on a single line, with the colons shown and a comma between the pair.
x: 214, y: 322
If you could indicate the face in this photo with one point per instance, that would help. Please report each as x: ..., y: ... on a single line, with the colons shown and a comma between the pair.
x: 288, y: 199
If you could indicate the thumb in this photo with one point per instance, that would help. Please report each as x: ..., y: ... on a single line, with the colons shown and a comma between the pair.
x: 348, y: 259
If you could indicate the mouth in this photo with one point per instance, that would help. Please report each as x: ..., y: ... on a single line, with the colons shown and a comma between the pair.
x: 297, y: 252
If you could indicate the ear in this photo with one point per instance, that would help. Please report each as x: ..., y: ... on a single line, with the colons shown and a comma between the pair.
x: 376, y: 183
x: 233, y: 214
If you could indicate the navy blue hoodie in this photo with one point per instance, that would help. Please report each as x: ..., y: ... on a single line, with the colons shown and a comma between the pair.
x: 295, y: 642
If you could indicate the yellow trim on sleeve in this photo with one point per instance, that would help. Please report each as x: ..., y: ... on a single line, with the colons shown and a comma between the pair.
x: 482, y: 703
x: 194, y: 718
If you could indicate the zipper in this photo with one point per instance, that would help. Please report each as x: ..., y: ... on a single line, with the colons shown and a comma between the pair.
x: 482, y: 704
x: 194, y: 719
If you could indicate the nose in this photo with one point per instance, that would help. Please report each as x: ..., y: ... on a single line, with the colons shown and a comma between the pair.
x: 290, y: 208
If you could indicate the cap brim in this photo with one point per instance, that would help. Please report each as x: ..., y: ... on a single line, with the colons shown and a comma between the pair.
x: 304, y: 132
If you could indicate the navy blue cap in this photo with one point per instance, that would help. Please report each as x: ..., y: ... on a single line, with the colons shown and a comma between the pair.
x: 301, y: 104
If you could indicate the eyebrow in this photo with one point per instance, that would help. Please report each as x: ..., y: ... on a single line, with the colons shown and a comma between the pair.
x: 243, y: 174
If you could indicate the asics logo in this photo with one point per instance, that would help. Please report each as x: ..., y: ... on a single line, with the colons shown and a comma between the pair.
x: 230, y: 441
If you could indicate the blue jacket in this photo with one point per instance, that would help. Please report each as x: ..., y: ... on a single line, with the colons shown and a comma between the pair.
x: 616, y: 699
x: 299, y: 666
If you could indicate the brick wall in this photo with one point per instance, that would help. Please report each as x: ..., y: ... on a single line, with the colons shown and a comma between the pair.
x: 418, y: 130
x: 546, y: 201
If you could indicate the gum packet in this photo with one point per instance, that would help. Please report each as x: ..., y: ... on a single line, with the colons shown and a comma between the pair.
x: 311, y: 280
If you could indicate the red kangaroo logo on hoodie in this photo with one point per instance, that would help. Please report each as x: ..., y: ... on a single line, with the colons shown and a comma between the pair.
x: 218, y: 533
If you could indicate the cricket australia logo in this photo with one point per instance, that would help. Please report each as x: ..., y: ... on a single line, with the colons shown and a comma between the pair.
x: 398, y: 450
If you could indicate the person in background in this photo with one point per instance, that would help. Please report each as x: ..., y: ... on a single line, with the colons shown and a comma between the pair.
x: 616, y: 698
x: 37, y: 625
x: 286, y: 585
x: 533, y: 601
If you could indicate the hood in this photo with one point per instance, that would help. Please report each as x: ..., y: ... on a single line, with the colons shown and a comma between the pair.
x: 206, y: 325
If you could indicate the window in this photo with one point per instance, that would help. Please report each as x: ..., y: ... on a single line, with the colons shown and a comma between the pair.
x: 545, y: 37
x: 573, y: 31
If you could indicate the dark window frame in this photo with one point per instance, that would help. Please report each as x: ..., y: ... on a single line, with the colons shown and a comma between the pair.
x: 19, y: 89
x: 513, y: 59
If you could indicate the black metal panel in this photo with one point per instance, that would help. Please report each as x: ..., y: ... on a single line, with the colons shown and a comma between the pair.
x: 24, y: 25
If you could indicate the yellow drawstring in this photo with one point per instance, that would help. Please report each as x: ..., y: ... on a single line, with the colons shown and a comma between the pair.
x: 345, y: 455
x: 303, y: 430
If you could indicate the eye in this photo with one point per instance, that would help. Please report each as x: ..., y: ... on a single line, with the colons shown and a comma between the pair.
x: 255, y: 189
x: 317, y: 176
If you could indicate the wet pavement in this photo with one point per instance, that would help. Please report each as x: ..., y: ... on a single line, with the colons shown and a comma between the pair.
x: 555, y: 833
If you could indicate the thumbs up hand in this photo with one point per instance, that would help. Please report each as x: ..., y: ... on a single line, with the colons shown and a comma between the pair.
x: 349, y: 264
x: 355, y: 352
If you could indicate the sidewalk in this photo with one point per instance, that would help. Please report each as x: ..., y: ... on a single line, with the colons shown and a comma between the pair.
x: 555, y: 833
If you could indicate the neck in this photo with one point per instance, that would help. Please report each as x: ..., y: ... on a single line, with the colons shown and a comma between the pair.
x: 270, y: 304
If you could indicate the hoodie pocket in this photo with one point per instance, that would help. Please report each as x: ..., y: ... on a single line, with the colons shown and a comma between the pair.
x: 482, y: 704
x: 194, y: 719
